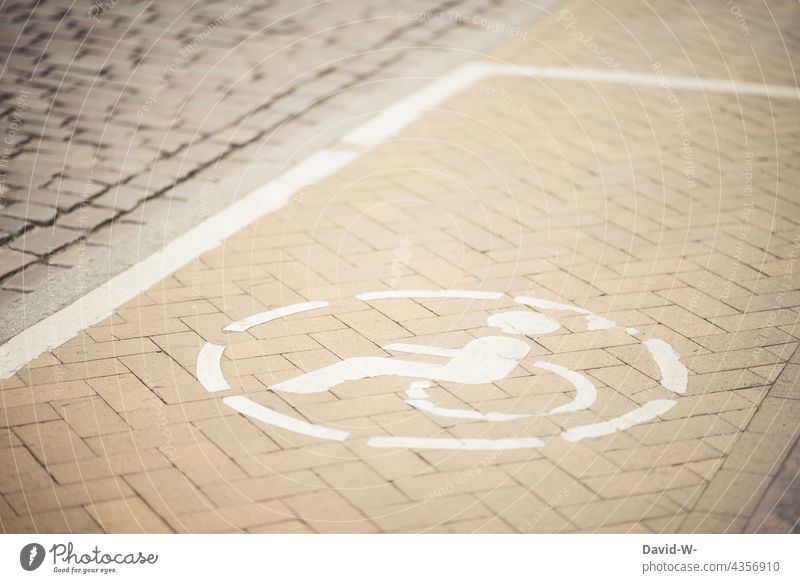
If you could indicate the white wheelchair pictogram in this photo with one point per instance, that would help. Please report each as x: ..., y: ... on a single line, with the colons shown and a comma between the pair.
x: 484, y: 360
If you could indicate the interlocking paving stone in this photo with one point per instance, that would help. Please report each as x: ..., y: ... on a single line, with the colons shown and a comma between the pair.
x: 149, y: 103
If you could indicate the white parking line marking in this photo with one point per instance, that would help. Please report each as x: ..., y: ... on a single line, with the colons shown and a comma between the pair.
x: 549, y: 305
x: 421, y: 349
x: 209, y: 372
x: 453, y: 443
x: 427, y: 406
x: 585, y: 391
x: 408, y: 110
x: 416, y: 390
x: 526, y: 323
x: 269, y: 315
x: 646, y: 412
x: 423, y: 293
x: 269, y: 416
x: 674, y: 375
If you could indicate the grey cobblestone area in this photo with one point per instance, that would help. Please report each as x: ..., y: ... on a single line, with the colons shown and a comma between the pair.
x: 118, y: 116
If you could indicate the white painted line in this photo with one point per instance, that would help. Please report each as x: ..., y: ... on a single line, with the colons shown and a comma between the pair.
x: 525, y: 323
x: 428, y: 407
x: 421, y: 349
x: 599, y: 323
x: 395, y: 294
x: 453, y: 443
x: 632, y: 331
x: 408, y: 110
x: 646, y: 412
x: 548, y: 305
x: 674, y: 375
x: 482, y: 361
x: 585, y: 391
x: 416, y: 390
x: 257, y: 411
x: 269, y: 315
x: 209, y: 372
x: 396, y: 118
x: 101, y: 302
x: 648, y: 80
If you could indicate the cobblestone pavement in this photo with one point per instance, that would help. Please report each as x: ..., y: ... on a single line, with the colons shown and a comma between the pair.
x: 650, y: 225
x: 123, y: 114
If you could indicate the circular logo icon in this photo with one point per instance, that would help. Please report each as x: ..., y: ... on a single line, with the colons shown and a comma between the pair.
x: 501, y: 348
x: 31, y: 556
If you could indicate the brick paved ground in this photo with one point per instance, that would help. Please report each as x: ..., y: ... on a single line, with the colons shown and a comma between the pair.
x: 123, y: 114
x: 669, y: 210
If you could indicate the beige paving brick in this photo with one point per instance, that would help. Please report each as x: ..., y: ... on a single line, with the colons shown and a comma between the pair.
x: 524, y: 511
x: 101, y: 350
x: 756, y: 320
x: 787, y: 385
x: 682, y: 321
x: 667, y: 454
x: 709, y: 523
x: 642, y: 481
x: 355, y: 407
x: 271, y: 486
x: 757, y: 338
x: 90, y: 417
x: 326, y: 511
x: 70, y: 372
x: 286, y: 527
x: 236, y: 436
x: 24, y: 414
x: 25, y: 404
x: 107, y: 466
x: 550, y: 483
x: 606, y: 513
x: 68, y: 496
x: 678, y: 429
x: 53, y: 442
x: 68, y: 520
x: 21, y: 471
x: 427, y: 516
x: 127, y: 516
x: 731, y: 360
x: 168, y: 492
x: 166, y: 377
x: 232, y: 518
x: 697, y: 302
x: 775, y: 416
x: 123, y: 392
x: 734, y: 493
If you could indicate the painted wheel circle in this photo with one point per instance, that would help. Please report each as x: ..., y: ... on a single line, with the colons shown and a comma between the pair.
x: 484, y: 360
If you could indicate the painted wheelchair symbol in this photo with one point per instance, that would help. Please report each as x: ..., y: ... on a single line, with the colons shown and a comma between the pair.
x: 484, y: 360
